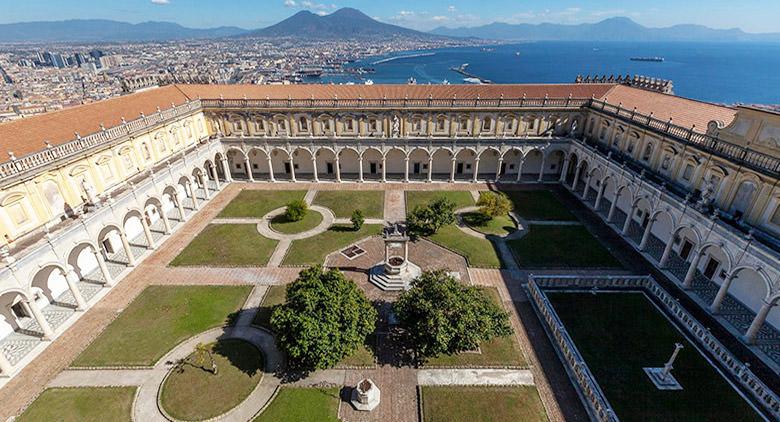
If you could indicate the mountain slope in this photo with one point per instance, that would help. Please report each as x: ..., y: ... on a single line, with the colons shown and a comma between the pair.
x: 613, y: 29
x: 345, y: 23
x: 98, y: 30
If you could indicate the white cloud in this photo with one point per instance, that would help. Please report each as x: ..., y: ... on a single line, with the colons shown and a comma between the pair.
x: 423, y: 20
x: 161, y: 1
x: 290, y: 3
x: 320, y: 8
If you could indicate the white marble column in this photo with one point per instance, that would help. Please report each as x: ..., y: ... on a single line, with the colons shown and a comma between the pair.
x: 667, y: 253
x: 108, y: 280
x: 452, y: 170
x: 166, y: 221
x: 360, y: 171
x: 179, y: 206
x: 215, y: 175
x: 758, y: 322
x: 226, y: 170
x: 48, y: 333
x: 600, y: 195
x: 627, y: 223
x: 646, y: 234
x: 314, y: 168
x: 271, y: 170
x: 430, y: 170
x: 498, y: 169
x: 192, y: 195
x: 148, y: 233
x: 203, y: 182
x: 613, y: 207
x: 587, y: 188
x: 476, y: 170
x: 5, y: 366
x: 248, y: 168
x: 576, y: 179
x: 541, y: 168
x: 406, y: 170
x: 722, y: 292
x: 338, y: 170
x: 564, y: 170
x: 384, y: 170
x: 292, y: 170
x: 72, y: 279
x: 128, y: 250
x: 520, y: 170
x: 692, y: 269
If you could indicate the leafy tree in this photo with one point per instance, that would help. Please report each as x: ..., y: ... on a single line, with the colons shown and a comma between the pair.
x: 203, y: 353
x: 425, y: 221
x: 357, y: 219
x: 440, y: 315
x: 326, y: 317
x: 296, y: 210
x: 494, y: 204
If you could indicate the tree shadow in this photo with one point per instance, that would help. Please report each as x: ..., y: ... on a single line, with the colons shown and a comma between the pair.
x: 241, y: 354
x: 342, y: 228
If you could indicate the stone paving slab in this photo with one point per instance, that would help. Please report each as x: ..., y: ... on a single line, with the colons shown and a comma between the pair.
x: 279, y: 252
x: 103, y: 377
x: 395, y: 205
x: 475, y: 377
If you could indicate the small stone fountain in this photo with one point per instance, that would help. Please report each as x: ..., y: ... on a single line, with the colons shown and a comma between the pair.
x: 395, y: 272
x: 366, y: 395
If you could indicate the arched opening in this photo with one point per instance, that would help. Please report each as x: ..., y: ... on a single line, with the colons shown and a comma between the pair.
x: 464, y: 164
x: 488, y: 164
x: 418, y: 164
x: 553, y: 165
x: 109, y: 241
x: 304, y: 166
x: 50, y: 287
x: 349, y: 163
x: 395, y: 164
x: 14, y: 317
x: 511, y: 165
x: 281, y: 164
x: 258, y: 164
x: 218, y: 163
x: 155, y: 219
x: 442, y: 164
x: 326, y: 164
x: 372, y: 164
x: 572, y: 170
x: 749, y: 288
x: 660, y: 234
x: 170, y: 203
x: 134, y: 229
x: 531, y: 165
x: 237, y: 164
x: 85, y: 265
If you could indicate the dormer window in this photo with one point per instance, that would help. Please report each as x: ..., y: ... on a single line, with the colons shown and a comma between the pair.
x: 441, y: 123
x: 373, y: 126
x: 350, y: 125
x: 487, y: 124
x: 303, y: 124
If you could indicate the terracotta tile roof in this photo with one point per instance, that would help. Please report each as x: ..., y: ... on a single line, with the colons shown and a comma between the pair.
x: 683, y: 111
x: 27, y: 135
x: 397, y: 91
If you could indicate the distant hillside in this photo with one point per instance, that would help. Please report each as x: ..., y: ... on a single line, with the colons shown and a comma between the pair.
x: 345, y: 23
x: 614, y: 29
x: 99, y: 30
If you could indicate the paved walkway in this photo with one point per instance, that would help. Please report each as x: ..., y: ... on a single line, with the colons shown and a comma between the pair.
x: 505, y: 254
x: 475, y: 377
x: 395, y: 205
x: 265, y: 230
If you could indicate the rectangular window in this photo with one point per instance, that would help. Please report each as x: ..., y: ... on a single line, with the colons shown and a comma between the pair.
x: 688, y: 172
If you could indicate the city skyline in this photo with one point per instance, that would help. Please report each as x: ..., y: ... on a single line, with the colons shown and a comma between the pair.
x: 752, y: 16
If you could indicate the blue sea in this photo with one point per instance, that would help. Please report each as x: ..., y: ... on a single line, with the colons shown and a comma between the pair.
x: 726, y: 73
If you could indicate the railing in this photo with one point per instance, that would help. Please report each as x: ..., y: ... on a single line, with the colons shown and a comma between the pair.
x: 35, y: 160
x: 755, y: 160
x: 738, y: 371
x: 393, y: 103
x: 597, y: 403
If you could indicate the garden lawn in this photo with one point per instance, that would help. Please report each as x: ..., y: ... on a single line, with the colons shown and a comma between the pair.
x: 499, y: 352
x: 499, y: 226
x: 484, y: 404
x: 312, y: 250
x: 414, y: 198
x: 343, y: 202
x: 275, y: 295
x: 222, y: 245
x: 302, y: 404
x: 281, y: 224
x: 257, y: 203
x: 479, y: 253
x: 195, y: 394
x: 84, y: 404
x: 160, y: 318
x: 539, y: 205
x: 618, y: 334
x: 561, y: 247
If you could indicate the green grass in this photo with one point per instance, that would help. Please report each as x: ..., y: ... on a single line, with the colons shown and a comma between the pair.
x: 309, y: 221
x: 561, y: 247
x: 618, y: 334
x: 302, y: 405
x: 460, y: 198
x: 313, y: 250
x: 499, y: 352
x: 539, y: 205
x: 478, y: 252
x: 275, y: 295
x: 160, y: 318
x: 86, y: 404
x: 223, y: 245
x: 257, y: 203
x: 363, y: 356
x: 484, y: 404
x: 195, y: 394
x: 343, y: 202
x: 499, y: 226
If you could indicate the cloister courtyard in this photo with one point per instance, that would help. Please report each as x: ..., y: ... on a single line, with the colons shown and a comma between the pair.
x: 215, y: 281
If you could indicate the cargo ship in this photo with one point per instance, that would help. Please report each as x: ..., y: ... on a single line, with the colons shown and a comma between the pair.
x: 647, y: 59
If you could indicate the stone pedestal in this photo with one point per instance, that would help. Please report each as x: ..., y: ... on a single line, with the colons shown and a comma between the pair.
x: 365, y: 396
x: 395, y: 272
x: 662, y: 381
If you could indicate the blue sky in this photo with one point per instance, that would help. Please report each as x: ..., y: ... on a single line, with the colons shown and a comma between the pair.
x: 750, y: 15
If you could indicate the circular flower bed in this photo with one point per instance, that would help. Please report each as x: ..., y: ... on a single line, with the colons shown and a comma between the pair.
x: 192, y: 392
x: 499, y: 226
x: 311, y: 220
